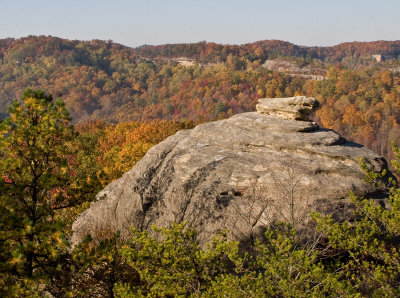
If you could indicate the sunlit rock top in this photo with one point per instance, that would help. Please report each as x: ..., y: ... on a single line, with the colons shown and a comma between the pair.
x: 292, y: 108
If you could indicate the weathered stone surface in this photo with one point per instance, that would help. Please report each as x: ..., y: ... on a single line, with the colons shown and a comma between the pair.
x: 241, y: 174
x: 293, y: 108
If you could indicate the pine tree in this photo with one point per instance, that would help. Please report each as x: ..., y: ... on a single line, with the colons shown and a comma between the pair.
x: 37, y: 168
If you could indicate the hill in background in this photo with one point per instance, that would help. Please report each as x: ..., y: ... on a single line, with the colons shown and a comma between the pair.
x: 108, y: 81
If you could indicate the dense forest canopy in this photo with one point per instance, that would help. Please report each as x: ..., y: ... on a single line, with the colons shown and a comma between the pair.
x: 102, y: 80
x: 212, y: 52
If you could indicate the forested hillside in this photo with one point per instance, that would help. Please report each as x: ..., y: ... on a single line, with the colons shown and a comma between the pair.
x: 102, y: 80
x: 122, y: 102
x: 349, y: 52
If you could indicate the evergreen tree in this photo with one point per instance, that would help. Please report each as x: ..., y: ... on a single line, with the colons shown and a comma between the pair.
x: 37, y: 168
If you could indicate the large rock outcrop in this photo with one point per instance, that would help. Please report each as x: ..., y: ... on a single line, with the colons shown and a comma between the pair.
x: 241, y: 174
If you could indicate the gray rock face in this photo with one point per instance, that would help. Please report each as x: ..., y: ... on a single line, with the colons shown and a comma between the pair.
x: 293, y: 108
x: 242, y: 174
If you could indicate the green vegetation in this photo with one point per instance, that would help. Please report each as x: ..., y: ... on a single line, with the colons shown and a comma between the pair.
x: 35, y: 165
x: 50, y: 172
x: 49, y: 175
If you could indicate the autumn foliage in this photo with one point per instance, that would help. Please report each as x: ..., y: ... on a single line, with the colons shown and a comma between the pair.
x: 101, y: 80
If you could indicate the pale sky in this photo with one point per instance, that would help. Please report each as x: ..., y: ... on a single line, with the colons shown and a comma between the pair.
x: 134, y: 23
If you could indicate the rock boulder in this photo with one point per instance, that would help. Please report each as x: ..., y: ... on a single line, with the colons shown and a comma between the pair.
x: 243, y: 174
x: 293, y: 108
